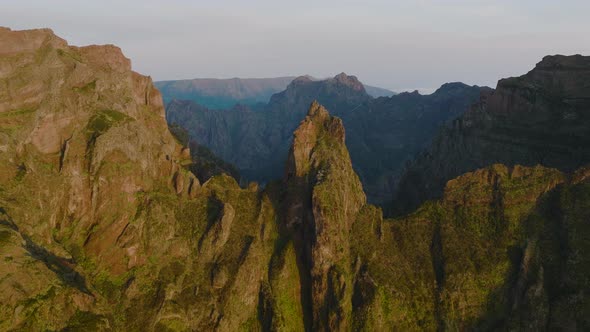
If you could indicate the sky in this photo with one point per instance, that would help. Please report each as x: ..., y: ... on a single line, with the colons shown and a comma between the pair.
x: 399, y: 45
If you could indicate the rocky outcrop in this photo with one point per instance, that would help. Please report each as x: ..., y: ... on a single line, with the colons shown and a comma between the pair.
x: 539, y: 118
x: 324, y: 197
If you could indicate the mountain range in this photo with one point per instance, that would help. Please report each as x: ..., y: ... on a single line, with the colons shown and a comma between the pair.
x: 104, y: 226
x: 226, y: 93
x: 383, y: 133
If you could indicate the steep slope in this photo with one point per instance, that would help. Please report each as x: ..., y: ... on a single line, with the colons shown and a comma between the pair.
x: 204, y: 164
x: 382, y: 133
x: 101, y: 225
x: 539, y: 118
x: 503, y: 250
x: 324, y: 197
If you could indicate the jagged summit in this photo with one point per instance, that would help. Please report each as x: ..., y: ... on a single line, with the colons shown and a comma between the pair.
x: 23, y: 41
x: 12, y: 42
x: 325, y: 195
x: 342, y: 79
x: 317, y: 111
x: 350, y: 81
x: 317, y: 125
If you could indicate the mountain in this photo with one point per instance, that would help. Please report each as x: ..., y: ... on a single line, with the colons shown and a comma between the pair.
x: 103, y: 226
x: 382, y: 133
x: 539, y: 118
x: 225, y: 93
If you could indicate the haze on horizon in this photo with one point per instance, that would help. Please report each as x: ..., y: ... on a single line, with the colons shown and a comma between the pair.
x: 399, y: 45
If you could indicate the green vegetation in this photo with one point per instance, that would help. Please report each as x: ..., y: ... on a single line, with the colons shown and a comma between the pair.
x: 17, y: 112
x: 171, y: 325
x: 103, y: 120
x: 5, y: 235
x: 86, y: 321
x: 285, y: 289
x: 87, y: 88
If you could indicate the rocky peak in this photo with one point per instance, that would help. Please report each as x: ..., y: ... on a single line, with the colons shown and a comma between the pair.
x: 335, y: 92
x: 74, y: 117
x: 452, y: 88
x: 324, y: 198
x: 317, y: 123
x: 110, y: 56
x: 350, y: 81
x: 13, y: 42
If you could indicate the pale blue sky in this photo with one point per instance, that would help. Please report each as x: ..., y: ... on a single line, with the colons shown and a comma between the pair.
x: 400, y: 45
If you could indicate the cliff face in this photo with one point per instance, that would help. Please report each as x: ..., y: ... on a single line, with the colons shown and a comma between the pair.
x: 539, y: 118
x: 382, y: 133
x: 102, y: 226
x: 500, y: 251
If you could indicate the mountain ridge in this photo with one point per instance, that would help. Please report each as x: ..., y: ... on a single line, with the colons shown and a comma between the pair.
x: 537, y: 118
x: 225, y: 93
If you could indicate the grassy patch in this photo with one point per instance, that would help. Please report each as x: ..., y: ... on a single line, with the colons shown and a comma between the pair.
x: 171, y: 325
x: 90, y: 87
x: 85, y: 321
x: 17, y: 112
x: 104, y: 120
x: 5, y: 236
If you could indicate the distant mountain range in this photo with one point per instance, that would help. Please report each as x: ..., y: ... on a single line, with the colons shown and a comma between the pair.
x: 225, y: 93
x: 382, y: 133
